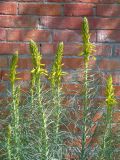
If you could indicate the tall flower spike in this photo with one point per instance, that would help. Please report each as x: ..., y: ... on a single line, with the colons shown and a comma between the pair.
x: 13, y: 66
x: 56, y: 71
x: 87, y: 47
x: 110, y: 95
x: 36, y: 59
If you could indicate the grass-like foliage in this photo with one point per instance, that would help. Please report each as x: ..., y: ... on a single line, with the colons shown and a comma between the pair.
x: 13, y: 135
x: 39, y: 126
x: 107, y: 145
x: 88, y: 49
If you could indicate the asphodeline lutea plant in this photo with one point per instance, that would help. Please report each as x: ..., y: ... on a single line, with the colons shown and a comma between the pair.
x: 87, y: 52
x: 36, y: 89
x: 55, y: 78
x: 87, y: 47
x: 38, y: 68
x: 107, y: 148
x: 57, y: 73
x: 14, y: 127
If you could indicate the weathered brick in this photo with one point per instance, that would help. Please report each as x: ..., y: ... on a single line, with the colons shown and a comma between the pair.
x: 117, y: 90
x: 27, y: 35
x: 117, y: 50
x: 18, y: 21
x: 2, y: 34
x: 47, y: 48
x: 110, y: 64
x: 75, y: 63
x: 40, y: 9
x: 90, y: 1
x: 104, y: 23
x: 24, y: 75
x: 116, y: 78
x: 26, y: 63
x: 8, y: 8
x: 2, y: 87
x: 61, y: 22
x: 116, y: 116
x: 108, y: 10
x: 10, y: 48
x: 108, y: 1
x: 103, y: 50
x: 3, y: 62
x: 108, y: 36
x: 70, y: 36
x: 78, y: 9
x: 4, y: 75
x: 75, y: 49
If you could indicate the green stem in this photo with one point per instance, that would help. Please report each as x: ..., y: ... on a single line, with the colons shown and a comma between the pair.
x: 85, y: 113
x: 16, y: 121
x: 43, y: 129
x: 58, y: 113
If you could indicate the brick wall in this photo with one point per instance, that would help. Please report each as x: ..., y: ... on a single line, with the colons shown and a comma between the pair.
x: 50, y: 21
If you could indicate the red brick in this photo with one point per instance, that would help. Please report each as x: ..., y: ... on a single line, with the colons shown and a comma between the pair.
x: 69, y: 49
x: 24, y: 75
x: 117, y: 91
x: 90, y: 1
x: 72, y: 49
x: 61, y: 22
x: 2, y: 87
x: 56, y: 0
x: 4, y: 75
x: 47, y: 49
x: 108, y: 36
x: 27, y: 35
x: 10, y: 48
x: 17, y: 21
x: 70, y: 36
x: 103, y: 50
x: 72, y: 63
x: 2, y: 35
x: 66, y: 22
x: 116, y: 117
x: 8, y: 8
x: 84, y: 1
x: 31, y: 0
x: 116, y: 78
x: 78, y: 9
x: 108, y: 1
x: 25, y: 63
x: 117, y: 50
x: 3, y: 62
x: 72, y: 89
x: 109, y: 64
x: 75, y: 63
x: 104, y: 23
x: 40, y: 9
x: 108, y: 10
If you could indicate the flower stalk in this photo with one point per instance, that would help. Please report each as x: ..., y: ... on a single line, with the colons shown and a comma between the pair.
x: 107, y: 148
x: 55, y: 78
x: 36, y: 74
x: 15, y: 124
x: 87, y: 49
